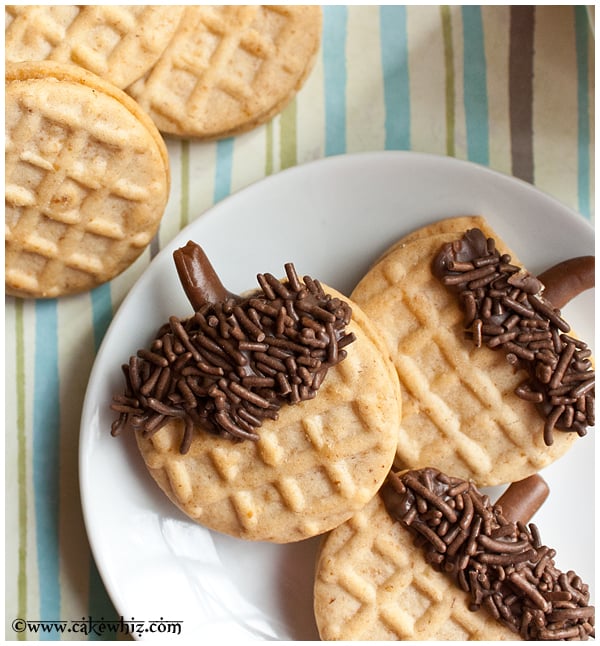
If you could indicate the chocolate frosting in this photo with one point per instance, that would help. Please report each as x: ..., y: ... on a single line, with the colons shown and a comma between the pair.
x: 501, y: 564
x: 505, y: 309
x: 236, y: 361
x: 473, y: 244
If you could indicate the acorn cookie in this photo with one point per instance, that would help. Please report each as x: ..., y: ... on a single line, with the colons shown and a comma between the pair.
x: 86, y: 180
x: 270, y: 417
x: 469, y: 405
x: 432, y: 558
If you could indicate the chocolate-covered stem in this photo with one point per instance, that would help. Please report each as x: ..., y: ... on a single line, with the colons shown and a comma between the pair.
x: 568, y: 279
x: 198, y: 278
x: 522, y: 499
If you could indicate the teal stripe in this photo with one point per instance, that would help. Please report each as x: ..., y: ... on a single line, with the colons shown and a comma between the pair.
x: 99, y: 604
x: 394, y: 58
x: 46, y: 463
x: 223, y: 169
x: 101, y: 312
x: 335, y: 19
x: 475, y: 86
x: 583, y: 112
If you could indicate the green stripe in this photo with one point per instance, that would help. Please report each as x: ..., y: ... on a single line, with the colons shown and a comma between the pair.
x: 287, y: 143
x: 583, y: 112
x: 184, y: 205
x: 21, y: 462
x: 449, y: 78
x: 269, y: 151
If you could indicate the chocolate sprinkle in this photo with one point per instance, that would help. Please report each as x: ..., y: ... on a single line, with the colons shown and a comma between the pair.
x: 502, y: 565
x: 235, y: 363
x: 504, y: 309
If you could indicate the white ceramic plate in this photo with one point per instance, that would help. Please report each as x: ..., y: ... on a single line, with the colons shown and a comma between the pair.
x: 332, y: 218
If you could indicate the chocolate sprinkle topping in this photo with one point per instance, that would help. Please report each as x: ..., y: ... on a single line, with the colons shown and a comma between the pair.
x: 505, y: 309
x: 236, y: 362
x: 502, y: 565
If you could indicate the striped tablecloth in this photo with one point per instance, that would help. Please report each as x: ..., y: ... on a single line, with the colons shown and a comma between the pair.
x: 511, y: 88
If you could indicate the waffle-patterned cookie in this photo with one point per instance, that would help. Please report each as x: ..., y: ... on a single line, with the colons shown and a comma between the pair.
x: 460, y: 411
x: 373, y: 584
x: 311, y: 469
x: 456, y: 226
x: 230, y: 68
x: 86, y: 183
x: 119, y: 43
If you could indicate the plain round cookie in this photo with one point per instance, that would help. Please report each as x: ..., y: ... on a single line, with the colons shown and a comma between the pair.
x: 373, y: 584
x: 118, y: 43
x: 312, y: 469
x: 86, y: 180
x: 230, y: 68
x: 460, y: 412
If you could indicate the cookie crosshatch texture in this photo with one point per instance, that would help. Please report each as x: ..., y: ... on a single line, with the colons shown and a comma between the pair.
x: 321, y: 461
x: 432, y: 557
x: 230, y: 68
x: 87, y: 180
x: 117, y: 42
x: 372, y: 584
x: 460, y: 411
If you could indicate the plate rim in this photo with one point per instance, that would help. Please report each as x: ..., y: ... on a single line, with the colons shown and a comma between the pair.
x: 211, y: 212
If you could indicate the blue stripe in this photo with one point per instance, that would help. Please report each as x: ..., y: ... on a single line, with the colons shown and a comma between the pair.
x: 101, y: 312
x: 583, y: 112
x: 99, y: 603
x: 335, y: 19
x: 46, y: 442
x: 394, y: 59
x: 223, y: 169
x: 475, y: 86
